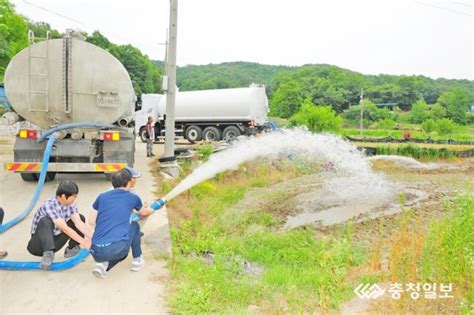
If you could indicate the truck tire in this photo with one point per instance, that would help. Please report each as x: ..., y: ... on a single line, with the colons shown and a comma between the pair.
x: 29, y: 177
x: 50, y: 176
x: 34, y: 177
x: 211, y: 134
x: 193, y: 133
x: 142, y: 134
x: 231, y: 132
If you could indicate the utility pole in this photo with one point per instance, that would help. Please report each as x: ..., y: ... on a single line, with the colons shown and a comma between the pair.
x: 361, y: 104
x: 168, y: 160
x: 171, y: 74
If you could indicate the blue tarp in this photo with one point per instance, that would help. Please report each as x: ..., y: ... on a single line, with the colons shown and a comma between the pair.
x: 3, y: 97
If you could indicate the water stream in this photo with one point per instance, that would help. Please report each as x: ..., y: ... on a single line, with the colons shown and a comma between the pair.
x: 355, y: 178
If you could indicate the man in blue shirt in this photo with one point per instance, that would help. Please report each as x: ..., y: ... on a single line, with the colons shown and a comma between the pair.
x: 114, y: 234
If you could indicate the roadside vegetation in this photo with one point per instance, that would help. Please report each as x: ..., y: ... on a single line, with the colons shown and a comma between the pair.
x: 229, y: 261
x: 439, y: 253
x: 234, y: 258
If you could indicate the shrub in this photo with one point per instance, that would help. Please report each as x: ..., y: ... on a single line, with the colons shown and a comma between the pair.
x: 437, y: 111
x: 204, y: 151
x: 446, y: 126
x: 317, y: 118
x: 419, y: 111
x: 429, y: 125
x: 386, y: 124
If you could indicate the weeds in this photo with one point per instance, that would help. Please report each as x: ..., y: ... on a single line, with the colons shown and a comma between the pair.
x: 296, y: 272
x: 416, y: 152
x: 204, y: 151
x: 443, y: 254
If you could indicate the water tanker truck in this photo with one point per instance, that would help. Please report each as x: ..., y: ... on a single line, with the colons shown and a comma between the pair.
x: 210, y: 115
x: 66, y: 81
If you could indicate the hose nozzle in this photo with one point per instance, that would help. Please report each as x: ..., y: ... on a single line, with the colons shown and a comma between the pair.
x: 155, y: 206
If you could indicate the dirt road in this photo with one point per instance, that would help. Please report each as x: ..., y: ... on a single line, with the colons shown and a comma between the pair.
x: 77, y: 290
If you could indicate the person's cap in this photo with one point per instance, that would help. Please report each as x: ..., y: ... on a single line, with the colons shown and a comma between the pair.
x: 133, y: 172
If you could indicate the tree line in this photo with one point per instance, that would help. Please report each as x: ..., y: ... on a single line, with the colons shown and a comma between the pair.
x: 145, y: 75
x: 289, y: 88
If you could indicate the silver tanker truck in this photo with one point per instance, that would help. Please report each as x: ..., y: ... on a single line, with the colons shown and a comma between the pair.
x: 210, y: 115
x: 63, y: 81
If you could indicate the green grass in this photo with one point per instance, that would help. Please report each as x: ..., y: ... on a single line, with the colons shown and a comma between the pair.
x: 465, y: 134
x: 441, y: 254
x: 297, y: 272
x: 448, y: 254
x: 416, y: 152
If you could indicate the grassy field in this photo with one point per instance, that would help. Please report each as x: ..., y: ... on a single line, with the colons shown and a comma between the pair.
x: 465, y: 133
x: 234, y: 258
x: 423, y: 151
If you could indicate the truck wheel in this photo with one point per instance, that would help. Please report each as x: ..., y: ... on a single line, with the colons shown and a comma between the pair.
x: 142, y: 134
x: 34, y: 177
x: 193, y: 133
x: 231, y: 132
x: 29, y: 177
x: 50, y: 176
x: 211, y: 134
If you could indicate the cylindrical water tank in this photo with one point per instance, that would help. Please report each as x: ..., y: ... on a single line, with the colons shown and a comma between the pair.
x: 235, y: 104
x: 68, y: 80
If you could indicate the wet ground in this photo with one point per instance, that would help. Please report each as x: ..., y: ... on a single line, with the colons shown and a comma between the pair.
x: 305, y: 201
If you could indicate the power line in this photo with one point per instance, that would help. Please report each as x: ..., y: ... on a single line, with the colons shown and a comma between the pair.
x: 445, y: 9
x: 149, y: 45
x: 58, y: 14
x: 463, y: 4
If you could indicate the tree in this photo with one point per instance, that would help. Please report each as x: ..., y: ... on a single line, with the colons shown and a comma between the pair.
x: 437, y: 112
x: 410, y: 91
x: 13, y: 34
x: 41, y: 29
x: 419, y: 111
x: 445, y: 126
x: 429, y: 125
x: 287, y: 99
x: 317, y: 118
x: 456, y: 103
x: 99, y: 40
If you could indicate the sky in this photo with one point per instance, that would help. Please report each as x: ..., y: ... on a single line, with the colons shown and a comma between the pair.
x: 431, y: 38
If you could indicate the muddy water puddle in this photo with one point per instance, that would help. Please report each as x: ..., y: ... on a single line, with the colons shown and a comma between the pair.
x: 318, y: 208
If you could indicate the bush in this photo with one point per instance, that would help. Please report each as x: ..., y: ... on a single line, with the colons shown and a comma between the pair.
x: 204, y: 151
x: 429, y: 125
x: 446, y: 126
x: 437, y: 111
x: 317, y: 118
x: 386, y: 124
x: 419, y: 112
x: 371, y: 114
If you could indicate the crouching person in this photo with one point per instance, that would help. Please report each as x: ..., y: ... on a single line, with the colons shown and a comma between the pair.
x: 114, y: 234
x: 57, y: 221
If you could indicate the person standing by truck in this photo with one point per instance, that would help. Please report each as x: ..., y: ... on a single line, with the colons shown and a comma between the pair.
x: 150, y: 135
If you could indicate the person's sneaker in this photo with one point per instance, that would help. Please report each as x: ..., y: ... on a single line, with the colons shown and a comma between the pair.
x: 137, y: 263
x: 71, y: 252
x: 100, y: 270
x: 47, y: 260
